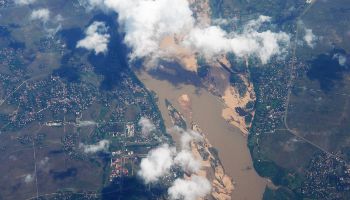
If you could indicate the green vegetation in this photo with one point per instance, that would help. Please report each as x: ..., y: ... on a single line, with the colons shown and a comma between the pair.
x: 250, y: 105
x: 203, y: 67
x: 279, y: 194
x: 103, y: 112
x: 270, y: 169
x: 238, y: 83
x: 61, y: 102
x: 203, y: 71
x: 311, y: 126
x: 176, y: 117
x: 237, y: 64
x: 248, y: 118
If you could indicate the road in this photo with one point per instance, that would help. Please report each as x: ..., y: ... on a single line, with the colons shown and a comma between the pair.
x: 290, y: 84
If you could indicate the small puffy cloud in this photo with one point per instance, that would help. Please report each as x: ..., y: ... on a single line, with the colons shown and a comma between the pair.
x: 213, y: 40
x: 96, y: 39
x: 220, y: 21
x: 28, y: 178
x: 24, y: 2
x: 342, y: 60
x: 102, y: 145
x: 43, y: 162
x: 185, y: 158
x: 51, y: 25
x: 91, y: 4
x: 262, y: 44
x: 189, y: 189
x: 147, y: 126
x: 309, y: 38
x: 54, y: 30
x: 187, y: 137
x: 58, y: 18
x: 187, y: 162
x: 157, y: 163
x: 270, y: 44
x: 256, y: 23
x: 42, y: 14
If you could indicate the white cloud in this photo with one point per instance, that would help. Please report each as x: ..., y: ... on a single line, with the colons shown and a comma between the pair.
x: 309, y: 38
x: 191, y: 189
x: 187, y: 162
x: 102, y: 145
x: 91, y: 4
x: 42, y: 14
x: 160, y: 160
x: 43, y: 162
x: 24, y: 2
x: 220, y: 21
x: 157, y: 163
x: 52, y: 31
x: 147, y: 23
x: 187, y: 137
x: 50, y: 25
x: 185, y: 158
x: 28, y: 178
x: 147, y: 126
x: 255, y: 24
x: 96, y: 38
x: 210, y: 41
x: 341, y: 59
x: 213, y: 41
x: 58, y: 18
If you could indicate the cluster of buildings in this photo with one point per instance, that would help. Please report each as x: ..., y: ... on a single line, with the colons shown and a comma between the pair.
x: 35, y: 97
x: 272, y: 91
x: 327, y: 177
x: 118, y: 168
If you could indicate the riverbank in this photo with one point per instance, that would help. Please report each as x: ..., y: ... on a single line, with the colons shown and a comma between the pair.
x: 207, y: 113
x: 211, y: 166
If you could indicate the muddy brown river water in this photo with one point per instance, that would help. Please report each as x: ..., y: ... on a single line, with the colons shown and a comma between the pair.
x: 228, y: 140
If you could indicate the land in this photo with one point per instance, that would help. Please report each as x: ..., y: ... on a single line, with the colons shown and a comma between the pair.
x: 212, y: 169
x: 56, y: 101
x: 298, y: 135
x: 222, y: 79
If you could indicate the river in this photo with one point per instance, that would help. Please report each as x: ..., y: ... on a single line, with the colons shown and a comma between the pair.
x: 228, y: 140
